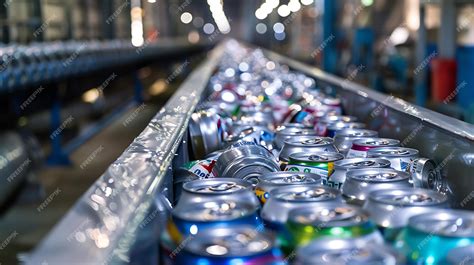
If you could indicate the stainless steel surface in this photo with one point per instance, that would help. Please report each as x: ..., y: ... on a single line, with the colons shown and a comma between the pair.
x: 108, y: 215
x: 448, y: 141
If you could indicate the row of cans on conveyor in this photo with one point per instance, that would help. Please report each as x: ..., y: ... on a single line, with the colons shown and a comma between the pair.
x: 277, y: 183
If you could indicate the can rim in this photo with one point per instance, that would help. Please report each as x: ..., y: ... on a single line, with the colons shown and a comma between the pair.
x: 356, y: 175
x: 418, y: 222
x: 440, y: 198
x: 384, y: 163
x: 245, y: 184
x: 378, y: 152
x: 315, y: 157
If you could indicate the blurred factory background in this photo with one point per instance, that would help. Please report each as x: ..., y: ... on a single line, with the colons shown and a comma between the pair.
x: 79, y: 79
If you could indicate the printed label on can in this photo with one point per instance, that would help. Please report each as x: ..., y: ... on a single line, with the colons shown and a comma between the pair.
x: 401, y: 164
x: 262, y: 195
x: 201, y: 168
x: 356, y: 153
x: 331, y: 183
x: 326, y: 171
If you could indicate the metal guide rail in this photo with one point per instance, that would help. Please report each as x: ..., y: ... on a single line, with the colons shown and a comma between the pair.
x: 105, y: 225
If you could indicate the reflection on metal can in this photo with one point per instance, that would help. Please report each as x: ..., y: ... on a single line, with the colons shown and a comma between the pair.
x: 360, y: 182
x: 307, y: 145
x: 390, y: 209
x: 342, y: 166
x: 231, y: 245
x: 333, y: 128
x: 360, y: 147
x: 269, y: 181
x: 199, y: 169
x: 321, y: 163
x: 287, y: 133
x: 344, y: 138
x: 324, y: 122
x: 429, y: 237
x: 205, y: 133
x: 400, y: 157
x: 347, y: 251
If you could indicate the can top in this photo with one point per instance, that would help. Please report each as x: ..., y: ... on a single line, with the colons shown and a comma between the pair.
x: 339, y: 125
x: 305, y: 193
x: 288, y: 178
x: 315, y: 157
x: 359, y: 163
x: 392, y: 151
x: 376, y: 142
x: 310, y: 142
x: 217, y: 186
x: 219, y: 210
x: 445, y: 222
x: 296, y: 131
x: 346, y: 251
x: 356, y: 132
x: 336, y: 118
x: 232, y: 241
x: 377, y: 175
x: 329, y: 215
x: 408, y: 197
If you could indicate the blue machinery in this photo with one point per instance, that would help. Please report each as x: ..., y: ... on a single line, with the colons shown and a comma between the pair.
x: 118, y: 219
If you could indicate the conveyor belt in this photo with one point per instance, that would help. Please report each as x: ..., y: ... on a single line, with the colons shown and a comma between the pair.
x: 110, y: 212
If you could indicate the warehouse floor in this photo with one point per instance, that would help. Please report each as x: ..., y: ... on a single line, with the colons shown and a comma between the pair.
x: 23, y: 226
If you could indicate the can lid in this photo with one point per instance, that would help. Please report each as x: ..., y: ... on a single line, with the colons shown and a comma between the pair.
x: 305, y: 193
x: 310, y: 142
x: 359, y: 163
x: 329, y: 215
x: 347, y: 251
x: 376, y: 142
x: 216, y: 186
x: 232, y: 241
x: 219, y: 210
x: 356, y: 132
x: 445, y: 222
x: 393, y: 151
x: 407, y: 197
x: 377, y: 175
x: 288, y: 178
x: 315, y: 157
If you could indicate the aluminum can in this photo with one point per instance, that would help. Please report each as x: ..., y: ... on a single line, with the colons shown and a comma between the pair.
x: 461, y: 256
x: 193, y: 170
x: 258, y: 116
x: 305, y: 144
x: 323, y: 123
x: 269, y: 181
x: 257, y: 134
x: 338, y: 178
x: 400, y: 157
x: 208, y: 190
x: 191, y: 219
x: 231, y: 246
x: 343, y: 139
x: 275, y: 211
x: 333, y: 128
x: 347, y: 251
x: 332, y: 220
x: 360, y: 182
x: 425, y: 174
x: 205, y: 132
x: 245, y: 160
x: 287, y: 133
x: 429, y: 237
x: 321, y: 163
x: 360, y: 147
x: 390, y: 209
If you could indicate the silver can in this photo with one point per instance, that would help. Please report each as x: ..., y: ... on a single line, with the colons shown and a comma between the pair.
x: 305, y: 144
x: 461, y: 255
x: 217, y: 189
x: 270, y: 181
x: 344, y: 138
x: 287, y: 133
x: 425, y: 174
x: 333, y: 220
x: 360, y: 182
x: 323, y: 123
x: 205, y: 133
x: 275, y: 211
x: 362, y: 146
x: 347, y: 251
x: 390, y: 209
x: 245, y: 160
x: 341, y: 167
x: 400, y: 157
x: 321, y: 163
x: 333, y: 128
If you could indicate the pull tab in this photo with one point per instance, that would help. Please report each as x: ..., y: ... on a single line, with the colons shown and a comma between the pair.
x: 222, y: 187
x: 294, y: 178
x: 317, y: 158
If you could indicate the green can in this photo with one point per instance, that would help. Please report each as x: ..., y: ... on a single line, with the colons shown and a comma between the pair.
x: 320, y: 163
